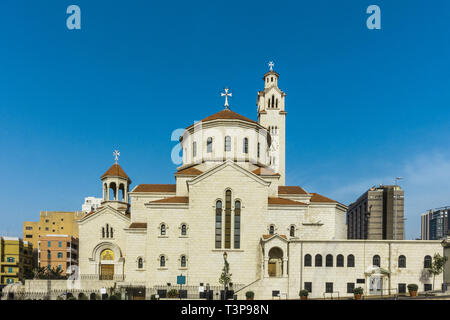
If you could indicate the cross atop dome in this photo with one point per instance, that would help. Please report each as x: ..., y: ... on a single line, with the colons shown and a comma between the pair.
x: 271, y: 65
x: 116, y: 155
x: 226, y: 95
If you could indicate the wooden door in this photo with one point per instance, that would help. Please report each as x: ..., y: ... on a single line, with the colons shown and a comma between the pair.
x: 107, y: 272
x: 272, y: 269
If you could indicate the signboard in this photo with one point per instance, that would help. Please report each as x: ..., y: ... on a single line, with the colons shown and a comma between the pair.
x: 181, y: 279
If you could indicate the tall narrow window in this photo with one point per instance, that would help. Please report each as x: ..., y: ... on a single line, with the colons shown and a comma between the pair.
x: 350, y: 261
x: 194, y: 149
x: 402, y: 261
x: 227, y: 143
x: 162, y: 261
x: 183, y: 261
x: 183, y: 230
x: 237, y: 224
x: 209, y: 145
x: 140, y: 263
x: 376, y: 260
x: 292, y: 231
x: 258, y: 150
x: 273, y: 101
x: 318, y: 260
x: 271, y: 229
x: 163, y: 229
x: 218, y: 224
x: 103, y: 232
x: 329, y: 260
x: 245, y: 145
x: 339, y: 260
x: 228, y: 219
x: 107, y: 230
x: 276, y: 103
x: 427, y: 262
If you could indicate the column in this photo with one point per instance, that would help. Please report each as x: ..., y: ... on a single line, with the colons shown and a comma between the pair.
x: 285, y: 262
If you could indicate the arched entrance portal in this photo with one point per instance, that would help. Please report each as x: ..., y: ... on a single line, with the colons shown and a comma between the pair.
x: 275, y: 266
x: 107, y: 265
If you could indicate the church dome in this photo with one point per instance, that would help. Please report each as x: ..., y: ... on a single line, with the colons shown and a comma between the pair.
x: 225, y: 135
x: 225, y: 114
x: 115, y: 171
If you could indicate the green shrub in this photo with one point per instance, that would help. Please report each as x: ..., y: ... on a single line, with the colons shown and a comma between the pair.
x: 303, y: 293
x: 358, y: 290
x: 249, y: 294
x: 82, y: 296
x: 71, y: 298
x: 173, y: 293
x: 153, y: 297
x: 115, y: 296
x: 412, y: 287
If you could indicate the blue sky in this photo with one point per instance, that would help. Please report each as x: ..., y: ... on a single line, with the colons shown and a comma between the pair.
x: 364, y: 106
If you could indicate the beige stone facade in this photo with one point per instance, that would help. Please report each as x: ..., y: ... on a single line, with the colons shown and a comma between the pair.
x: 229, y: 196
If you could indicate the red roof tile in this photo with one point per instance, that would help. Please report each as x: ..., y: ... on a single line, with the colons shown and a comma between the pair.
x: 172, y: 200
x: 138, y: 225
x: 189, y: 172
x: 282, y: 201
x: 291, y: 190
x: 320, y: 198
x: 162, y: 188
x: 226, y: 114
x: 267, y: 236
x: 115, y: 171
x: 265, y: 172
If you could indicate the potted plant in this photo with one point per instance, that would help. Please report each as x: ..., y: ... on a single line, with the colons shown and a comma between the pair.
x: 357, y: 292
x: 303, y: 294
x: 249, y: 295
x: 412, y: 288
x: 173, y: 293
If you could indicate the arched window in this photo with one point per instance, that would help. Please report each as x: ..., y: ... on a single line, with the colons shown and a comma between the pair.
x: 273, y: 99
x: 427, y: 262
x: 258, y: 150
x: 112, y: 192
x: 402, y: 261
x: 183, y: 261
x: 183, y: 230
x: 292, y: 231
x: 308, y: 260
x: 140, y: 263
x: 339, y: 260
x: 245, y: 145
x: 209, y: 142
x: 228, y: 219
x: 271, y: 229
x: 329, y: 260
x: 227, y: 143
x: 318, y: 260
x: 162, y: 261
x: 163, y: 229
x: 376, y: 260
x: 218, y: 224
x: 350, y: 261
x: 237, y: 224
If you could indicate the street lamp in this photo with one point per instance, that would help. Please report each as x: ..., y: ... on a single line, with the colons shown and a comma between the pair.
x: 395, y: 206
x: 225, y: 272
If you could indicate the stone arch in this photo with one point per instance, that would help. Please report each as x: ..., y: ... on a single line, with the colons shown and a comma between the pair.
x: 112, y: 262
x: 112, y: 191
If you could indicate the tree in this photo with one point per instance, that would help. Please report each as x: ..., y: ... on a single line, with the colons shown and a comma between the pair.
x: 437, y: 266
x: 225, y: 277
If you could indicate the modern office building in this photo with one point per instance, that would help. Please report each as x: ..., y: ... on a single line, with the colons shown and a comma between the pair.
x: 435, y: 224
x: 15, y: 259
x: 378, y: 214
x: 58, y: 251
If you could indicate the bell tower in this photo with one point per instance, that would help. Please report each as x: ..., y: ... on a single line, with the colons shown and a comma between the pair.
x: 272, y: 116
x: 116, y: 186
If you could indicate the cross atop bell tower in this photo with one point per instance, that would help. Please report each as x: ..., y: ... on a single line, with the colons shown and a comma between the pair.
x: 272, y: 116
